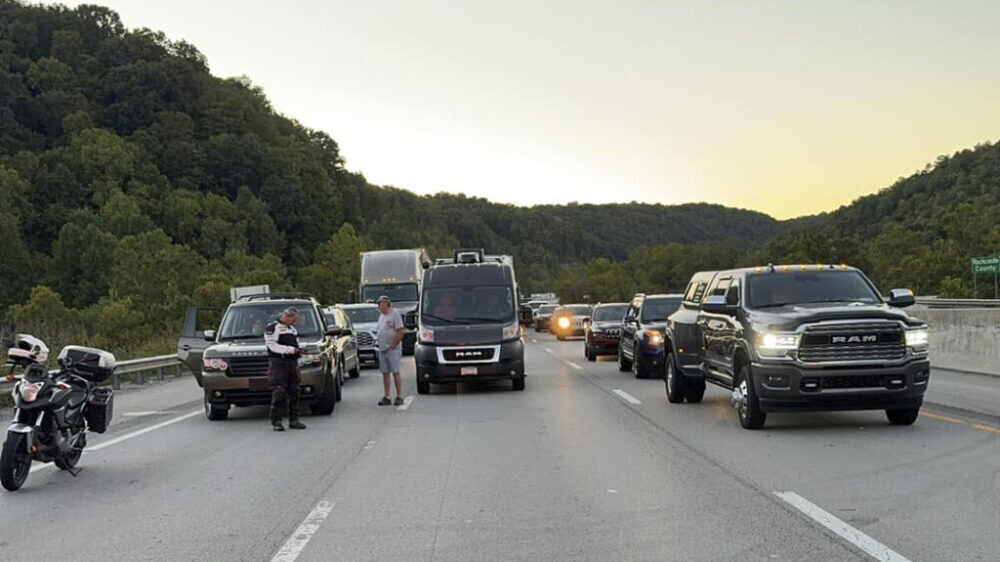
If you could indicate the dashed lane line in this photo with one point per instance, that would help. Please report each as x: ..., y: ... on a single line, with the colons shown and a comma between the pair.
x: 626, y: 396
x: 406, y: 403
x: 296, y: 543
x: 871, y: 546
x: 574, y: 365
x: 547, y: 350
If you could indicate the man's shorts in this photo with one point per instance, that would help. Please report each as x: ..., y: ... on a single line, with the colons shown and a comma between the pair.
x: 390, y: 361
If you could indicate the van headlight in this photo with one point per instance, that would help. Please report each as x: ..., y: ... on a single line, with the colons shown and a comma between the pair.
x: 917, y: 339
x: 777, y: 344
x: 426, y: 334
x: 511, y: 331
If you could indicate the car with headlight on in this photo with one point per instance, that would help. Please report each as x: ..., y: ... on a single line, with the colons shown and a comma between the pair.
x: 641, y: 347
x: 231, y: 364
x: 542, y: 316
x: 570, y: 320
x: 796, y: 338
x: 604, y: 331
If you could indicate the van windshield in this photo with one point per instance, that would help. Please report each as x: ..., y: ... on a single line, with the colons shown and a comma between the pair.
x: 247, y: 322
x: 397, y: 292
x: 467, y: 305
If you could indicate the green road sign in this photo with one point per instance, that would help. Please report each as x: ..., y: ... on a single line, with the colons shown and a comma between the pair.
x: 986, y: 264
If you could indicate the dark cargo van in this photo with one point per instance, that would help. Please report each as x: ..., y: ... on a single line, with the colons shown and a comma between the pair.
x: 468, y: 322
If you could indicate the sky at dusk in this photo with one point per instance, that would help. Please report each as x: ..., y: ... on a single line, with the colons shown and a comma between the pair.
x: 789, y: 108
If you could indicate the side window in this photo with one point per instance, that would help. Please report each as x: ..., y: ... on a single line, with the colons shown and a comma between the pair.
x: 699, y: 291
x: 733, y: 293
x: 719, y: 287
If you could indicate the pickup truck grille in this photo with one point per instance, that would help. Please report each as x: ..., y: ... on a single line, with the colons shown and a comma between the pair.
x: 868, y: 341
x: 248, y: 366
x: 365, y: 339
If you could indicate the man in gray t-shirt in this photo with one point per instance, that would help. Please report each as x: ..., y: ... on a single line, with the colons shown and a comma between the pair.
x: 390, y: 332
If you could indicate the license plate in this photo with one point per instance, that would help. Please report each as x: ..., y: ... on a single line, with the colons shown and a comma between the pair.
x: 470, y: 370
x: 260, y: 384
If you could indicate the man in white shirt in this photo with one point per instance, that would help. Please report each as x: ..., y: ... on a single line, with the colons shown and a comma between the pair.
x: 390, y: 351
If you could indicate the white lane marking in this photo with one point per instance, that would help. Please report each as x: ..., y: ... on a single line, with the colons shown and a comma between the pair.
x: 143, y: 431
x: 574, y: 365
x: 533, y: 340
x: 547, y: 349
x: 626, y: 396
x: 610, y: 491
x: 149, y: 413
x: 871, y: 546
x: 296, y: 543
x: 406, y: 403
x: 368, y: 445
x: 125, y: 437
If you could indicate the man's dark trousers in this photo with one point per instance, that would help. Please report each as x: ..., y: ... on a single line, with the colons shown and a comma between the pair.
x: 284, y: 379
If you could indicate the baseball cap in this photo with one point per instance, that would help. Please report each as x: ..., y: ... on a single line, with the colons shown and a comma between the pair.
x: 384, y: 298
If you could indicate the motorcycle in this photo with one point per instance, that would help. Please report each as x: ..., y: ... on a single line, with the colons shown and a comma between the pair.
x: 54, y: 411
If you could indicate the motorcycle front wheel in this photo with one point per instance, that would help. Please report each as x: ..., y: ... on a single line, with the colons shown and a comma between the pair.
x: 15, y: 462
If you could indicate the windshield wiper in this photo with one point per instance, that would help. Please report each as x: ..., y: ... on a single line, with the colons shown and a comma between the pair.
x: 443, y: 319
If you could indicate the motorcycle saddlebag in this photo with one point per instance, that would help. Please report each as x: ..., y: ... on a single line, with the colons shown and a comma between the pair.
x: 100, y: 408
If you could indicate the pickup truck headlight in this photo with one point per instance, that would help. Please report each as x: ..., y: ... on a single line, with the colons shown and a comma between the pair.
x: 511, y: 331
x: 777, y: 344
x: 917, y: 339
x: 310, y: 359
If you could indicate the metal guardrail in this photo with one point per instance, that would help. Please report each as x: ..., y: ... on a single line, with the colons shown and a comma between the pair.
x: 934, y: 302
x: 136, y: 370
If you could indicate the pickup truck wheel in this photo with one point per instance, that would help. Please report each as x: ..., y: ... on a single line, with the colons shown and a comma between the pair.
x: 674, y: 381
x: 748, y: 408
x: 902, y: 417
x: 623, y: 364
x: 423, y: 387
x: 215, y: 413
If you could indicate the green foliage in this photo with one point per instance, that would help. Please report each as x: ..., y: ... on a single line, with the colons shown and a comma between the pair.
x: 336, y: 267
x: 45, y: 315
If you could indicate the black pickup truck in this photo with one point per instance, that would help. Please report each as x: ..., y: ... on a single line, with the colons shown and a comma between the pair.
x: 797, y: 338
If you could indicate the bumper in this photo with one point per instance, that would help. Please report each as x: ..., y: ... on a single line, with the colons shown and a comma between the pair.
x: 568, y: 332
x: 603, y: 346
x: 510, y: 365
x: 368, y: 355
x: 651, y: 359
x: 793, y: 388
x: 256, y: 391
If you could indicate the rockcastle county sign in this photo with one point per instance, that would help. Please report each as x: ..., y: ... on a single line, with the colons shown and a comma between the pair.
x: 988, y: 264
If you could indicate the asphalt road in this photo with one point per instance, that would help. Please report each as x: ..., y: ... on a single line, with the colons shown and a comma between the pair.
x: 586, y: 464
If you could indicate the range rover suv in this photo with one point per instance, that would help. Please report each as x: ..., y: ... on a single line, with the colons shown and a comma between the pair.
x: 231, y: 364
x: 797, y: 338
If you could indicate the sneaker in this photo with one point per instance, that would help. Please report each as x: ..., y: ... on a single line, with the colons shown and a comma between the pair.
x: 296, y: 424
x: 399, y: 401
x: 385, y: 401
x: 277, y: 426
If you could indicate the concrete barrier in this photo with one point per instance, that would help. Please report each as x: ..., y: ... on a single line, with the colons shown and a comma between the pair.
x: 966, y: 339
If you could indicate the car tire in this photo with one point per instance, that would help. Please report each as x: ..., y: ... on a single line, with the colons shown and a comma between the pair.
x: 591, y: 356
x: 640, y: 369
x: 423, y: 387
x: 623, y: 364
x: 517, y: 383
x: 748, y: 412
x: 902, y: 417
x: 327, y: 401
x: 537, y: 329
x: 340, y: 384
x: 673, y: 380
x: 215, y: 413
x: 695, y: 391
x: 356, y: 371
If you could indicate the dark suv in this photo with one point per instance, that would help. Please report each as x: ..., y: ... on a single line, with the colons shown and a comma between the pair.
x: 797, y: 338
x: 641, y: 347
x: 604, y: 330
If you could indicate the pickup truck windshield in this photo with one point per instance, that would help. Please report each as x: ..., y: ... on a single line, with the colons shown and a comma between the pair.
x: 804, y: 287
x: 362, y: 315
x: 610, y: 313
x: 467, y: 305
x: 246, y: 322
x: 397, y: 292
x: 656, y: 310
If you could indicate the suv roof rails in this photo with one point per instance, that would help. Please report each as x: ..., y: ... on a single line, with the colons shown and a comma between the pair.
x: 275, y: 296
